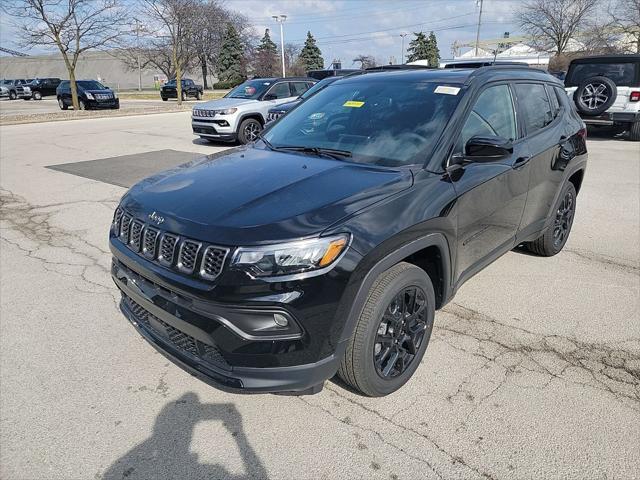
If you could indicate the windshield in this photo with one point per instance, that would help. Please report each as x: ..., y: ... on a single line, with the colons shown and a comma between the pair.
x: 7, y: 82
x: 388, y: 123
x: 623, y: 74
x: 318, y: 86
x: 91, y: 85
x: 251, y: 89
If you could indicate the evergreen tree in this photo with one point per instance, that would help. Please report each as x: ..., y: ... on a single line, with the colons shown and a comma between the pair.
x: 231, y: 59
x: 433, y: 53
x: 311, y: 56
x: 418, y: 48
x: 266, y: 58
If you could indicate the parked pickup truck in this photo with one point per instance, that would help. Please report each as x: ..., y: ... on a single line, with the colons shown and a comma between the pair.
x: 189, y: 89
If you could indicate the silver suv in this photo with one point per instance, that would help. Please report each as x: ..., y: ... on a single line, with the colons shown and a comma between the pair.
x: 241, y: 114
x: 606, y: 91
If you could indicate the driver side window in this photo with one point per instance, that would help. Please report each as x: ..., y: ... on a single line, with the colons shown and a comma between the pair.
x: 492, y: 115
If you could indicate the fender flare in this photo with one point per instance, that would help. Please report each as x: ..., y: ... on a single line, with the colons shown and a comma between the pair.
x: 388, y: 261
x: 244, y: 116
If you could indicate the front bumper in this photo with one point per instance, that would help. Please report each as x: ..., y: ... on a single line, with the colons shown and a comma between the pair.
x: 103, y: 104
x: 211, y: 128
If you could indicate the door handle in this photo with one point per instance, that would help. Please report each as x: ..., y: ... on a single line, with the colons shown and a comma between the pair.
x: 520, y: 161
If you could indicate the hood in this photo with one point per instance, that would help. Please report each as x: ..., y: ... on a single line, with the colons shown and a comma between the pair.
x: 252, y: 195
x: 102, y: 91
x: 285, y: 107
x: 222, y: 103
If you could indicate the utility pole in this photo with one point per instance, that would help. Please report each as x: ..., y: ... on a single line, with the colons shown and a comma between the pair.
x: 138, y: 30
x: 280, y: 19
x: 402, y: 56
x: 478, y: 2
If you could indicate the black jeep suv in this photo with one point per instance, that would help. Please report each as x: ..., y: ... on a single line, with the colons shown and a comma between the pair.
x: 328, y: 244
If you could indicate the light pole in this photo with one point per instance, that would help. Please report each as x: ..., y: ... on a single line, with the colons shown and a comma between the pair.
x: 280, y: 19
x: 478, y: 2
x: 139, y: 28
x: 402, y: 56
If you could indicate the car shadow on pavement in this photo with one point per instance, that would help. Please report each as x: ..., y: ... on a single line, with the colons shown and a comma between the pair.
x: 167, y: 455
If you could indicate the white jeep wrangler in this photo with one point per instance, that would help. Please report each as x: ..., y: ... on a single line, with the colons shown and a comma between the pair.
x: 606, y: 91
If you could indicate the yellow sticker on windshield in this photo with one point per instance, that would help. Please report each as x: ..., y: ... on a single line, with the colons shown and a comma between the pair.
x: 353, y: 104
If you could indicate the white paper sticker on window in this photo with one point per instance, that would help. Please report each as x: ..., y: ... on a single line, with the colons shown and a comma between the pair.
x: 447, y: 90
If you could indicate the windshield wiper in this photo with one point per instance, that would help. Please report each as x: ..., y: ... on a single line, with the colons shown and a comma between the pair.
x: 265, y: 141
x: 329, y: 152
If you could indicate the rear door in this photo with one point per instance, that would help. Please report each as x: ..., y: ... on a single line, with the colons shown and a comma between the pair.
x: 491, y: 196
x: 545, y: 129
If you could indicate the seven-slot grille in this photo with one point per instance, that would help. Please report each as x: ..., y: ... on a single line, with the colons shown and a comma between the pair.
x: 167, y: 248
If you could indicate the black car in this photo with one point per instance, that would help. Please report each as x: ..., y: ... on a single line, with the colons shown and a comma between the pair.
x: 189, y: 89
x: 91, y: 94
x: 43, y: 87
x: 282, y: 109
x: 328, y: 244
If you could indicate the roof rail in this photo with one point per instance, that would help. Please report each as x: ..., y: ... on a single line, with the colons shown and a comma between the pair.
x: 479, y: 71
x: 399, y: 67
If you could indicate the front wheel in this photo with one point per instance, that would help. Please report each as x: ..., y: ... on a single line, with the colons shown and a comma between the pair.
x: 183, y: 96
x: 249, y: 130
x: 62, y: 105
x: 198, y: 95
x: 81, y: 105
x: 37, y: 95
x: 392, y: 333
x: 556, y: 236
x: 13, y: 95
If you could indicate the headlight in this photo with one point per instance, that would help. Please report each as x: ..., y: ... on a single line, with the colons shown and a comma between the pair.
x: 115, y: 94
x: 228, y: 111
x: 26, y: 89
x: 89, y: 95
x: 290, y: 258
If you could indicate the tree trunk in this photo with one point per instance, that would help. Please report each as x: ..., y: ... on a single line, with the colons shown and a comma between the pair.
x: 74, y: 89
x: 178, y: 74
x: 203, y: 64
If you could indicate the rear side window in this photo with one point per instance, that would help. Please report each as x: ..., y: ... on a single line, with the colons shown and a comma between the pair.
x: 492, y: 115
x: 280, y: 90
x: 535, y: 106
x: 298, y: 88
x: 623, y: 74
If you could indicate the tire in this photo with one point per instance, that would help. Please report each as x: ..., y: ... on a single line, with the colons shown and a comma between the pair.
x: 164, y: 99
x: 183, y: 96
x: 548, y: 244
x: 248, y: 130
x: 358, y: 367
x: 81, y: 105
x: 26, y: 99
x: 13, y: 95
x: 595, y: 95
x: 62, y: 105
x: 198, y: 95
x: 634, y: 132
x: 37, y: 95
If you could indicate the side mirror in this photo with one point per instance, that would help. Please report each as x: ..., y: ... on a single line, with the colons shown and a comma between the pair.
x: 270, y: 96
x: 482, y: 149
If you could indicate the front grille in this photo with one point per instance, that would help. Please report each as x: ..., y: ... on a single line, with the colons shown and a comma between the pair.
x: 272, y: 116
x: 188, y: 255
x: 150, y: 242
x: 170, y: 250
x: 180, y: 340
x: 167, y: 248
x: 212, y: 262
x: 198, y: 112
x: 135, y: 235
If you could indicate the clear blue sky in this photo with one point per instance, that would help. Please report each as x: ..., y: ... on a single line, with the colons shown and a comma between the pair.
x: 347, y: 28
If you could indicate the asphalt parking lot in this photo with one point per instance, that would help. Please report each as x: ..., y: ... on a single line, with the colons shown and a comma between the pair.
x: 532, y: 372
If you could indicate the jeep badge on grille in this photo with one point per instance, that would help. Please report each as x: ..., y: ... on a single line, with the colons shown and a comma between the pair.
x: 154, y: 217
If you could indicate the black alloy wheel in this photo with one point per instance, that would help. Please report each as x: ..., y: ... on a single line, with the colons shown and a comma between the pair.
x: 564, y: 219
x: 400, y: 332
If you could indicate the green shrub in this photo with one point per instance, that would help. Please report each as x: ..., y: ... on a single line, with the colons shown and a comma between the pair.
x: 226, y: 84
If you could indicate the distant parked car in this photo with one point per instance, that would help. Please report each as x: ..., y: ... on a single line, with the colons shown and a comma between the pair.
x: 4, y: 92
x: 606, y: 91
x: 91, y: 94
x: 189, y: 89
x: 241, y: 114
x: 282, y: 109
x: 16, y: 88
x: 322, y: 74
x: 43, y: 87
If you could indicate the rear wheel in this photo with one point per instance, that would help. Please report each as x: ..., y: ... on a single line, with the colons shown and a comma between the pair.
x: 392, y: 333
x: 557, y: 234
x: 13, y: 95
x: 634, y: 132
x: 37, y: 95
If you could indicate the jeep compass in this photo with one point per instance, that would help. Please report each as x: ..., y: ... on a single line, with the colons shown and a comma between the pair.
x: 327, y: 245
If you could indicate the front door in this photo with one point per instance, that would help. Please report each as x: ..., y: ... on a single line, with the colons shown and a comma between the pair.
x: 491, y: 196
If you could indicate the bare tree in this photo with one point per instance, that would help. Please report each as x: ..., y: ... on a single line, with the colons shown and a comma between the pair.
x: 173, y: 21
x: 74, y: 26
x: 625, y: 19
x: 553, y: 23
x: 366, y: 61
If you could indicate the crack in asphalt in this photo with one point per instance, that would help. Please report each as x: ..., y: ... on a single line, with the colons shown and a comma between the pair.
x: 36, y: 235
x: 604, y: 260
